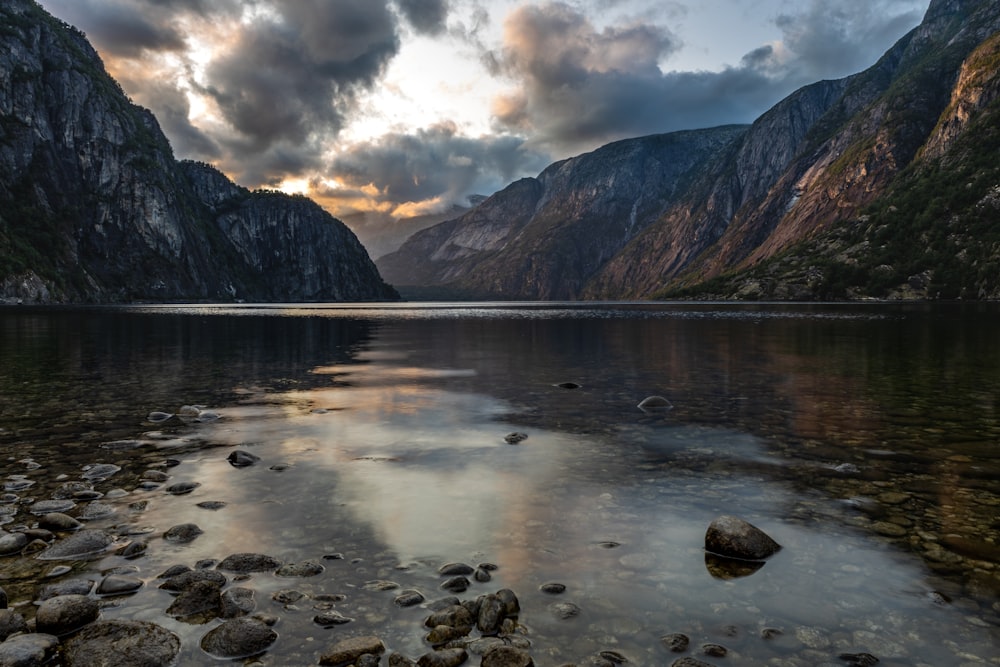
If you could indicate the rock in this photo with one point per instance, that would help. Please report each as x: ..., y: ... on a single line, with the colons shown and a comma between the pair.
x: 118, y: 584
x: 182, y: 533
x: 157, y: 476
x: 78, y: 545
x: 11, y: 623
x: 59, y: 522
x: 100, y: 472
x: 181, y: 488
x: 448, y: 657
x: 201, y: 600
x: 29, y: 650
x: 12, y: 543
x: 552, y: 588
x: 506, y: 656
x: 185, y: 580
x: 454, y: 616
x: 400, y: 660
x: 133, y: 549
x: 287, y: 596
x: 492, y: 612
x: 408, y: 598
x: 456, y: 585
x: 859, y: 659
x: 249, y: 562
x: 348, y: 651
x: 568, y: 385
x: 65, y: 613
x: 455, y: 569
x: 655, y: 403
x: 330, y: 618
x: 689, y: 662
x: 45, y: 506
x: 95, y: 510
x: 511, y: 604
x: 236, y: 602
x: 565, y: 610
x: 482, y: 575
x: 675, y: 642
x: 307, y: 568
x: 442, y: 634
x: 515, y: 438
x: 212, y: 505
x: 714, y: 650
x: 69, y: 587
x: 242, y: 459
x: 238, y: 638
x: 732, y: 537
x: 122, y: 643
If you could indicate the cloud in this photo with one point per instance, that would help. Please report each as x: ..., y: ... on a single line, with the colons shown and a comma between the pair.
x: 426, y: 16
x: 576, y: 87
x: 120, y: 27
x: 429, y: 170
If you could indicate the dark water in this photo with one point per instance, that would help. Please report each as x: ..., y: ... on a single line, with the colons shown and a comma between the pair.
x: 864, y: 438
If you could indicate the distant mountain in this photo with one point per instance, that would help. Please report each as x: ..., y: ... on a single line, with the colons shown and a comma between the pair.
x: 380, y: 233
x: 884, y: 183
x: 94, y: 207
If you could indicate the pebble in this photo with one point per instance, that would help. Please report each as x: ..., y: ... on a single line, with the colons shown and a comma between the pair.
x: 182, y: 533
x: 182, y: 488
x: 249, y: 562
x: 78, y: 545
x: 408, y: 598
x: 330, y: 618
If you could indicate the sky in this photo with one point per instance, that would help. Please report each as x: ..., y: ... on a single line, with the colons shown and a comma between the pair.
x: 407, y: 107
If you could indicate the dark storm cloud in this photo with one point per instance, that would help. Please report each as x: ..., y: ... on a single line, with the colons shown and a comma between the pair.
x: 577, y: 87
x: 290, y: 77
x: 119, y: 27
x: 426, y: 16
x: 434, y: 167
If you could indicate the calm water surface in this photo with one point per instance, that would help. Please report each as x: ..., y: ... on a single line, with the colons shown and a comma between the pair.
x: 863, y: 438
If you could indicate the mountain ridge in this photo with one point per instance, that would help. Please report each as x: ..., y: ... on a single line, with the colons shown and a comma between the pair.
x: 813, y: 163
x: 94, y: 207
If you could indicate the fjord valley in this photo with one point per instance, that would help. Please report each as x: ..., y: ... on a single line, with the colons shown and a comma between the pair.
x: 882, y: 184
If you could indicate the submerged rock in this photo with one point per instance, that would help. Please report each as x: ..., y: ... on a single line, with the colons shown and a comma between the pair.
x: 122, y: 643
x: 78, y: 545
x: 733, y: 537
x: 348, y: 651
x: 238, y: 638
x: 249, y: 562
x: 182, y: 533
x: 65, y: 613
x: 655, y: 403
x: 28, y: 650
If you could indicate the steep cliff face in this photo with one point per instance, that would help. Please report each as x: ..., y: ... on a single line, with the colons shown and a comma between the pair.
x: 804, y: 168
x: 543, y: 238
x: 93, y: 206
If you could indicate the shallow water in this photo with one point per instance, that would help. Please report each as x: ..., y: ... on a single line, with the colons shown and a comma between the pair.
x: 864, y: 438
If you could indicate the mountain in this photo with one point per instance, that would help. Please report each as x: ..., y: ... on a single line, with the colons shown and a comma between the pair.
x: 94, y: 207
x: 879, y: 184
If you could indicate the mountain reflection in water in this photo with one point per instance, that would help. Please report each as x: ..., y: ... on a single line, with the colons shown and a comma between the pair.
x: 863, y: 438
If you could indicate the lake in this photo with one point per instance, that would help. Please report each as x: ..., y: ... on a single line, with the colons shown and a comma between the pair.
x: 864, y: 438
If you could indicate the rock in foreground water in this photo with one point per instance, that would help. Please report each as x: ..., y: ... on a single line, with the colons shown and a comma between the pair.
x: 123, y: 644
x: 238, y: 638
x: 348, y: 651
x: 65, y: 613
x: 735, y: 538
x: 29, y: 650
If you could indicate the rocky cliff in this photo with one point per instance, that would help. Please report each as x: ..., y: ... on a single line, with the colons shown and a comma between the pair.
x: 94, y: 207
x: 829, y: 155
x: 545, y: 237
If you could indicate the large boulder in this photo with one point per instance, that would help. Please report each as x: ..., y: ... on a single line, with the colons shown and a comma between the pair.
x: 733, y: 537
x: 122, y: 643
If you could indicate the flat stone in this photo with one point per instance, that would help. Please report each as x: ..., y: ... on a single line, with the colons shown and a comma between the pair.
x: 454, y: 569
x: 408, y: 598
x: 182, y: 488
x: 118, y: 584
x: 12, y: 543
x: 238, y: 638
x: 185, y: 580
x: 307, y: 568
x: 59, y: 522
x: 78, y: 545
x: 122, y: 643
x: 28, y: 650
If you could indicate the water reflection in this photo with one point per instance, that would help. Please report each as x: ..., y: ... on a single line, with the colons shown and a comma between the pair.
x: 862, y: 439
